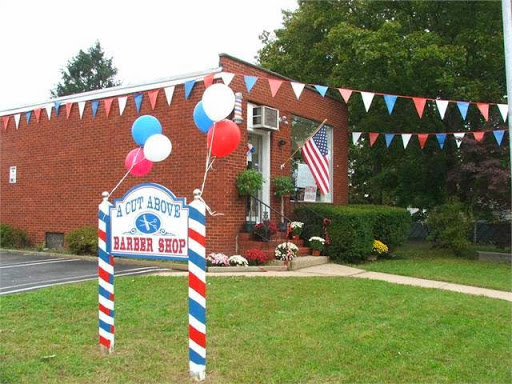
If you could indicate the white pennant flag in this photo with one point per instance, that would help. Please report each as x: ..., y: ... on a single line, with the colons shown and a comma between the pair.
x: 458, y: 138
x: 355, y: 137
x: 297, y: 88
x: 122, y: 104
x: 504, y: 111
x: 81, y: 107
x: 441, y: 107
x: 227, y: 77
x: 17, y: 120
x: 367, y: 99
x: 169, y: 92
x: 48, y: 108
x: 405, y: 139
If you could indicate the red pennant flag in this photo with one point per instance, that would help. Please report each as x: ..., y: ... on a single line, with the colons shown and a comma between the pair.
x: 68, y: 109
x: 208, y: 80
x: 478, y: 135
x: 373, y: 137
x: 345, y: 93
x: 5, y: 119
x: 484, y: 110
x: 419, y: 102
x: 152, y: 97
x: 422, y: 137
x: 108, y: 105
x: 274, y: 85
x: 37, y: 113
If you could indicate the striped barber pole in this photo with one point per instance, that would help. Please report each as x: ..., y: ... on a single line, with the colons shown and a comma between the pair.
x: 237, y: 117
x: 105, y: 280
x: 197, y: 288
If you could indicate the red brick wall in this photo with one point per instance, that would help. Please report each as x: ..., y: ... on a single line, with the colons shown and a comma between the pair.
x: 63, y: 165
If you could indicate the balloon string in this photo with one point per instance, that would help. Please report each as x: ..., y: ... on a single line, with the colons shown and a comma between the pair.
x: 127, y: 173
x: 208, y: 166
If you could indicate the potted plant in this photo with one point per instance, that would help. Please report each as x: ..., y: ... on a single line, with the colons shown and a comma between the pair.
x: 316, y: 244
x: 286, y: 252
x: 296, y: 229
x: 379, y: 250
x: 265, y: 230
x: 283, y: 186
x: 248, y: 183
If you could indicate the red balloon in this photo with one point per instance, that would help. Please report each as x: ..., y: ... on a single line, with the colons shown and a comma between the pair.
x: 136, y: 163
x: 226, y: 137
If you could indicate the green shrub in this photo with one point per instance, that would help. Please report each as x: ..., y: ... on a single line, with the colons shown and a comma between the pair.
x: 83, y: 241
x: 449, y: 227
x: 13, y: 237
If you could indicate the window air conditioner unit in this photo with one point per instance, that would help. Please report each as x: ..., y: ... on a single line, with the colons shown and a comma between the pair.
x: 265, y: 118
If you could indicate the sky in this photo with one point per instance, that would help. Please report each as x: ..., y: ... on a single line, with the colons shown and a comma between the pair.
x: 148, y: 40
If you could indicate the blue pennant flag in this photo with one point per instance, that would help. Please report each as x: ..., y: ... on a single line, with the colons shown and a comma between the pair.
x: 389, y: 138
x: 463, y: 108
x: 57, y: 107
x: 498, y: 135
x: 249, y: 82
x: 28, y: 115
x: 390, y: 102
x: 322, y: 89
x: 188, y: 87
x: 441, y: 139
x: 138, y: 101
x: 94, y: 105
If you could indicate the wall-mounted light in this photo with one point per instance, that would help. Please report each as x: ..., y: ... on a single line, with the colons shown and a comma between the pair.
x: 283, y: 120
x: 281, y: 142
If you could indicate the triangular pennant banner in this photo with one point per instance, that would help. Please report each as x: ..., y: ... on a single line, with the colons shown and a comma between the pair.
x: 463, y: 108
x: 17, y: 120
x: 390, y: 102
x: 373, y: 138
x: 107, y: 103
x: 274, y: 85
x: 484, y: 110
x: 441, y: 139
x: 227, y: 77
x: 94, y: 105
x: 458, y: 138
x: 189, y: 85
x: 208, y: 80
x: 441, y: 107
x: 37, y: 113
x: 504, y: 111
x: 122, y: 104
x: 153, y: 95
x: 405, y: 139
x: 367, y: 99
x: 28, y: 115
x: 48, y: 108
x: 345, y: 93
x: 355, y: 137
x: 419, y: 103
x: 57, y: 107
x: 249, y: 82
x: 498, y: 135
x: 5, y: 120
x: 322, y: 89
x: 389, y: 138
x: 297, y: 88
x: 138, y: 100
x: 422, y: 137
x: 169, y: 92
x: 478, y: 135
x: 68, y: 109
x: 81, y: 107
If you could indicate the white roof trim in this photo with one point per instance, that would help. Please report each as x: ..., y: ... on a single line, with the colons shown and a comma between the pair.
x: 116, y: 91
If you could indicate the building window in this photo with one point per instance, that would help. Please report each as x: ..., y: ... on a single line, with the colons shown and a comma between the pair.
x: 301, y: 130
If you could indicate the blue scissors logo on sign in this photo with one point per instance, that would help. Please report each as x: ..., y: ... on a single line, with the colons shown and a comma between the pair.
x: 148, y: 223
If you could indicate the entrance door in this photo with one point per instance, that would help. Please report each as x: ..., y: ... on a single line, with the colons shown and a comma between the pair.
x: 258, y: 158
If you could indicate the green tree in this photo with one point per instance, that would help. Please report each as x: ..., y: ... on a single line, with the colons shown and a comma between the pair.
x: 87, y: 71
x: 451, y: 50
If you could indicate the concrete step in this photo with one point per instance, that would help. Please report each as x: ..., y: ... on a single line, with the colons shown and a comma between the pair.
x: 307, y: 261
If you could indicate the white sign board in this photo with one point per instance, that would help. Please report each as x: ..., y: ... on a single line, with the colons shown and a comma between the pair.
x: 12, y: 175
x: 310, y: 193
x: 304, y: 177
x: 149, y: 222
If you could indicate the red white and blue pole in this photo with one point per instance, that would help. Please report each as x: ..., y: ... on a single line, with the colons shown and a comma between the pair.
x: 105, y: 279
x: 197, y: 287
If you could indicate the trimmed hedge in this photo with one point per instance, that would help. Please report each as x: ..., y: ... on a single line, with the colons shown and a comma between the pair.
x: 11, y: 237
x: 353, y: 228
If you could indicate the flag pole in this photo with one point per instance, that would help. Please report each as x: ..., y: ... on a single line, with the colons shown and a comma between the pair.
x: 305, y: 141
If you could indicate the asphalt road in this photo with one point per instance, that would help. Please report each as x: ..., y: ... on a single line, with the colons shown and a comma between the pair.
x: 27, y: 271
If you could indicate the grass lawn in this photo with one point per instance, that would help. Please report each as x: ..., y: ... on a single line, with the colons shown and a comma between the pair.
x: 419, y: 259
x: 260, y: 330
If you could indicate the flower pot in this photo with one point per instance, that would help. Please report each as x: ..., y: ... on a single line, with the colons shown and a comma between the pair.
x: 249, y: 226
x: 282, y: 227
x: 315, y: 252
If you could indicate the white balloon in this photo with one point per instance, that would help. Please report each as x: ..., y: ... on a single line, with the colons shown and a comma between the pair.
x: 218, y: 101
x: 157, y: 148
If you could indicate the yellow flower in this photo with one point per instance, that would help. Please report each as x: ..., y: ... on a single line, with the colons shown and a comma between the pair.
x: 379, y: 247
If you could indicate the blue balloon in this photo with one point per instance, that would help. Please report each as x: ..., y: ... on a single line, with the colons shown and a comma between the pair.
x: 144, y: 127
x: 203, y: 122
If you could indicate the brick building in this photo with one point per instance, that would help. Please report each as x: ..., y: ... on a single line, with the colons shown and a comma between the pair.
x: 63, y: 162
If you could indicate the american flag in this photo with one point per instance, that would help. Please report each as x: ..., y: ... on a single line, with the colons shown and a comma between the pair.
x: 315, y: 153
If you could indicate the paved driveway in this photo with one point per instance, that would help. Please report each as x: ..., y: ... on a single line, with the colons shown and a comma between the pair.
x: 27, y: 271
